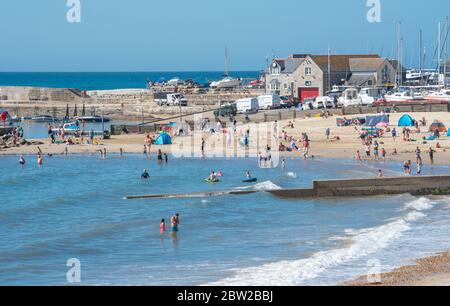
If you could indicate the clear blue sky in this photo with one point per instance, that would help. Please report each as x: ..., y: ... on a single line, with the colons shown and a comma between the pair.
x: 180, y: 35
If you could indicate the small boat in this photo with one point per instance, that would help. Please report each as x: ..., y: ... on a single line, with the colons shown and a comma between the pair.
x: 404, y: 97
x: 250, y: 180
x: 43, y: 119
x: 226, y: 82
x: 68, y: 128
x: 441, y: 96
x: 93, y: 119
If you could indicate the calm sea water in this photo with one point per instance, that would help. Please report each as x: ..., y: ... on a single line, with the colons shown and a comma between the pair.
x: 73, y: 207
x: 108, y: 80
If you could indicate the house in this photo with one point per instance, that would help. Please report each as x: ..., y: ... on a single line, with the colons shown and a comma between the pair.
x: 305, y: 75
x: 370, y: 72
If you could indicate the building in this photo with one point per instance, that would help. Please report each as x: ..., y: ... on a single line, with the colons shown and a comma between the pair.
x: 445, y: 67
x: 305, y: 75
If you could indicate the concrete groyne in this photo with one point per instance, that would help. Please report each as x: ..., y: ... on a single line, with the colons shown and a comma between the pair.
x: 417, y: 185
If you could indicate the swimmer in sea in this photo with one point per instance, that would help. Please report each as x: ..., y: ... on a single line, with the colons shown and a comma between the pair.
x: 22, y: 160
x: 145, y: 175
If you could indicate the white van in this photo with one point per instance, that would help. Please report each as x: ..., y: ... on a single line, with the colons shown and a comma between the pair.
x: 247, y: 105
x: 269, y: 102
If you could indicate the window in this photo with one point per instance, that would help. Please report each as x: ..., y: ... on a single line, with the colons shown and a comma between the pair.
x: 369, y: 83
x: 308, y: 71
x: 308, y: 83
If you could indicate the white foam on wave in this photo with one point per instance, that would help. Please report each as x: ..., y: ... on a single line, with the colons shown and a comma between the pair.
x: 267, y: 185
x: 420, y: 204
x: 292, y: 174
x: 363, y: 243
x: 263, y: 186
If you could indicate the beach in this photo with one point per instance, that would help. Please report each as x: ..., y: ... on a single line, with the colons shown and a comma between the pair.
x: 344, y: 148
x: 428, y: 271
x: 325, y: 154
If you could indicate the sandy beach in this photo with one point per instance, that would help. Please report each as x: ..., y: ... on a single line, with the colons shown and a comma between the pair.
x: 344, y: 148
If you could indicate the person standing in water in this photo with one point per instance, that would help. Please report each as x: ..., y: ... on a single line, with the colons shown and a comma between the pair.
x: 121, y: 152
x: 166, y: 158
x: 160, y: 157
x: 175, y: 222
x: 248, y: 175
x: 431, y: 154
x: 162, y: 226
x: 22, y: 160
x: 40, y: 160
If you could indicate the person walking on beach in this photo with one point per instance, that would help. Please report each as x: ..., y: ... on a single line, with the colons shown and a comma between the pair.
x: 418, y: 156
x: 175, y: 220
x: 431, y: 154
x: 328, y: 133
x: 394, y: 133
x: 358, y: 156
x: 162, y: 226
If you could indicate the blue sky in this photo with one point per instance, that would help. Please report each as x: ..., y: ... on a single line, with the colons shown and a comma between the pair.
x: 181, y: 35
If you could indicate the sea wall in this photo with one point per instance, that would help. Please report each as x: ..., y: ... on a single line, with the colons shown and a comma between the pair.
x: 415, y: 185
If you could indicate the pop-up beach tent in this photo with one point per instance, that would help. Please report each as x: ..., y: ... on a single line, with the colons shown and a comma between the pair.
x: 437, y: 125
x: 406, y: 120
x: 163, y: 139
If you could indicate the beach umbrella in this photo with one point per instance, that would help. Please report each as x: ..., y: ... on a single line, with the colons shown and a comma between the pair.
x: 75, y: 111
x: 83, y: 111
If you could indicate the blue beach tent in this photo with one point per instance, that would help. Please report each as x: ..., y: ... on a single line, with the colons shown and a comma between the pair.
x: 163, y: 139
x: 406, y: 120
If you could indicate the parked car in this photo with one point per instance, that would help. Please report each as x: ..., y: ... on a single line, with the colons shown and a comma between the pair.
x: 226, y: 110
x: 286, y: 102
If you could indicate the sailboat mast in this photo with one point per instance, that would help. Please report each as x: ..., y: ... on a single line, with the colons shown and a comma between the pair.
x: 399, y: 72
x: 226, y: 63
x: 439, y: 49
x: 445, y: 52
x: 421, y: 53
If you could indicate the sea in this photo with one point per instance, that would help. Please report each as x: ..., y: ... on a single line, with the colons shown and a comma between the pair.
x: 72, y: 209
x: 110, y: 80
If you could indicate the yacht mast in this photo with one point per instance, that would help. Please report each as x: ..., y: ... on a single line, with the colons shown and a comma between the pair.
x: 226, y: 63
x: 329, y: 70
x: 421, y: 53
x: 445, y: 52
x: 439, y: 50
x: 399, y: 72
